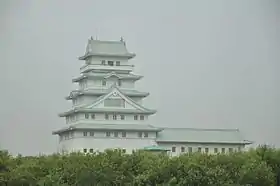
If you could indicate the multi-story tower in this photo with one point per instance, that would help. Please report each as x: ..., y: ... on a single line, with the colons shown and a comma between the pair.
x: 107, y: 111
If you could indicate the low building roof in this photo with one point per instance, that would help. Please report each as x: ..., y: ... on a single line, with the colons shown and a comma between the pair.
x: 195, y: 135
x: 122, y: 127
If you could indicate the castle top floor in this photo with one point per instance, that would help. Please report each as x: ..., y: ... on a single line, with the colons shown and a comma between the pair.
x: 107, y: 49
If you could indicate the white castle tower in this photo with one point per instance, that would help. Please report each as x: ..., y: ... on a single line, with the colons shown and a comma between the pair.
x: 107, y: 112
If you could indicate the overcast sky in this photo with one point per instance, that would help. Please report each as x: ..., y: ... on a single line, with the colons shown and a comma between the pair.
x: 210, y: 64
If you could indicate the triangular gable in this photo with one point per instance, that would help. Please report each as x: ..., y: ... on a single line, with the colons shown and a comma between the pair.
x: 116, y: 93
x: 112, y: 74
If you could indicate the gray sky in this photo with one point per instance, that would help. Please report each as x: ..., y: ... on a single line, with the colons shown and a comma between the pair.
x: 209, y: 64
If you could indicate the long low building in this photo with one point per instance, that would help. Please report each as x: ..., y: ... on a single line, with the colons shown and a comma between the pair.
x: 108, y: 112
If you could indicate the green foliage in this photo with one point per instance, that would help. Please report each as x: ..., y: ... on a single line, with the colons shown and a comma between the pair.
x: 257, y: 167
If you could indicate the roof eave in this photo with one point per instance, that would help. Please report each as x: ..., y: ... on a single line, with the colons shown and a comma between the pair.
x: 128, y: 55
x: 202, y: 142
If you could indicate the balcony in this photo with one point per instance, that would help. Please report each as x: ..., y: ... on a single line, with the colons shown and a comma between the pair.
x: 90, y: 67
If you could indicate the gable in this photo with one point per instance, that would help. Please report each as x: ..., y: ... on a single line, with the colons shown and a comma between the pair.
x: 115, y: 99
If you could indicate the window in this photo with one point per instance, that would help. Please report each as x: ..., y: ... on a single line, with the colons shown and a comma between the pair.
x: 85, y: 150
x: 111, y: 63
x: 118, y: 63
x: 239, y: 149
x: 123, y: 150
x: 136, y: 117
x: 182, y: 149
x: 190, y: 149
x: 122, y: 117
x: 141, y: 117
x: 72, y: 134
x: 116, y: 134
x: 173, y: 149
x: 199, y: 149
x: 91, y: 150
x: 146, y: 134
x: 230, y: 149
x: 223, y: 150
x: 215, y: 150
x: 206, y: 150
x: 119, y: 82
x: 103, y: 82
x: 91, y: 133
x: 92, y: 116
x: 114, y: 117
x: 103, y: 62
x: 85, y: 133
x: 106, y: 116
x: 123, y: 134
x: 140, y: 134
x: 108, y: 134
x: 60, y: 138
x: 111, y: 102
x: 86, y: 116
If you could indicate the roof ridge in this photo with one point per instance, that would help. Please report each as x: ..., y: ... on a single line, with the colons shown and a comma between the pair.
x: 203, y: 129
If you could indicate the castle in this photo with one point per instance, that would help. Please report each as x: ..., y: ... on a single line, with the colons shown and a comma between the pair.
x: 108, y: 112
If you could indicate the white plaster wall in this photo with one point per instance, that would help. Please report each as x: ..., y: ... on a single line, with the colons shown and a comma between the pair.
x: 99, y: 142
x: 196, y: 146
x: 100, y: 119
x: 84, y: 100
x: 97, y: 60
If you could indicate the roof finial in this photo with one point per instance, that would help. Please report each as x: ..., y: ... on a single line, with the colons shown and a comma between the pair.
x: 122, y: 40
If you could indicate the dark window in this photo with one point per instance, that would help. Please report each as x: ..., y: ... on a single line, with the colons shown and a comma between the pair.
x: 173, y: 149
x: 124, y: 134
x: 103, y: 82
x: 91, y: 150
x: 122, y: 117
x: 85, y: 150
x: 146, y: 134
x: 119, y: 82
x: 223, y: 150
x: 103, y: 62
x: 111, y: 63
x: 106, y: 116
x: 215, y: 150
x: 108, y: 134
x: 140, y: 134
x: 86, y: 116
x: 206, y: 150
x: 182, y: 149
x: 92, y: 116
x: 141, y: 117
x: 85, y: 133
x: 199, y: 149
x: 114, y: 117
x: 136, y: 117
x: 230, y: 149
x: 190, y: 149
x: 91, y: 133
x: 118, y: 63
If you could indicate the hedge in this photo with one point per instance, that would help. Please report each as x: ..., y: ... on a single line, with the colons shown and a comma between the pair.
x: 257, y: 167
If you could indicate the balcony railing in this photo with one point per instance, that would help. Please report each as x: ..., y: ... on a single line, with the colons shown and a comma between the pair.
x: 89, y: 67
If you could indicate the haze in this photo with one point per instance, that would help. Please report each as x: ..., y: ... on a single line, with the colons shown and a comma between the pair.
x: 206, y: 64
